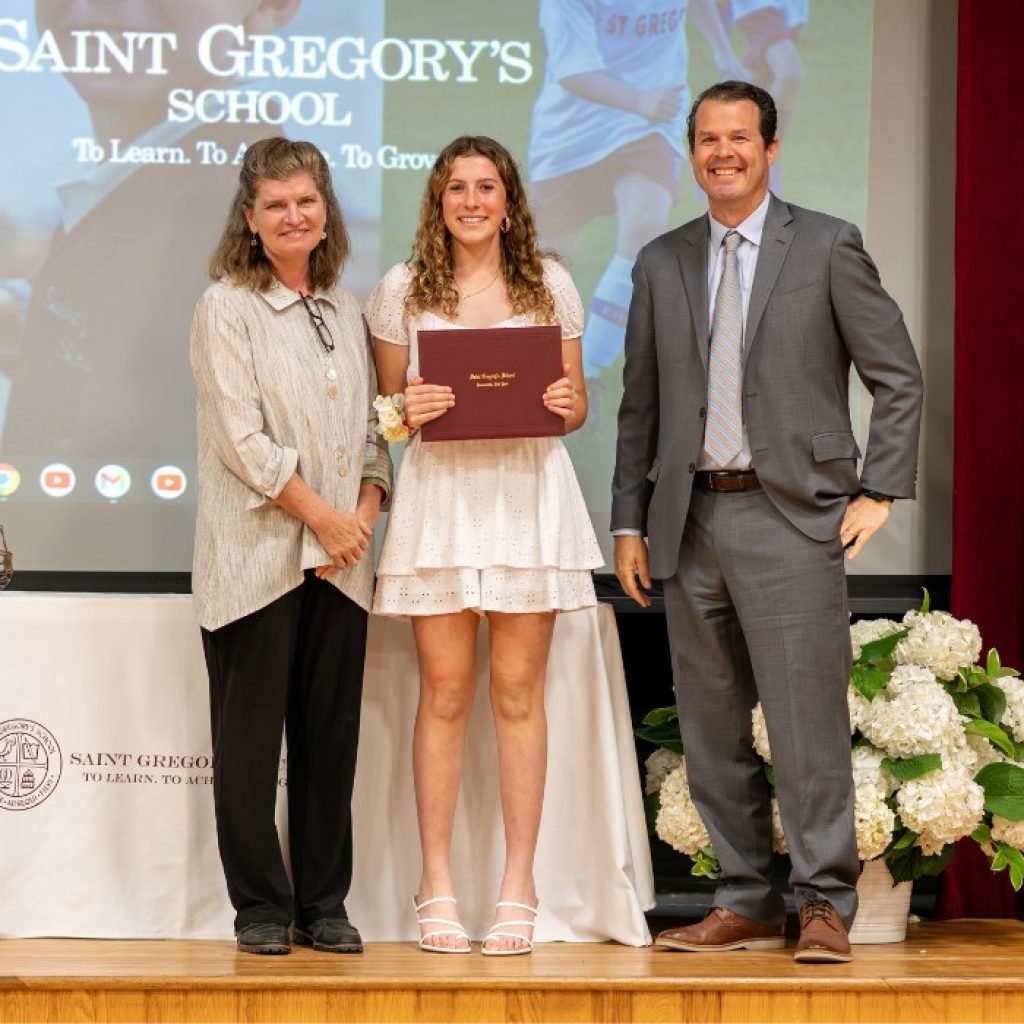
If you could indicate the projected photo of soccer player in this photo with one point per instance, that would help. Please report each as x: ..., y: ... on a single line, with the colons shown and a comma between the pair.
x: 607, y: 135
x: 771, y: 60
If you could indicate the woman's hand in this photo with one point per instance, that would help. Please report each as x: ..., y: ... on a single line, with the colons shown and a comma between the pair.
x: 426, y: 402
x: 344, y: 536
x: 560, y: 397
x: 366, y: 515
x: 365, y: 521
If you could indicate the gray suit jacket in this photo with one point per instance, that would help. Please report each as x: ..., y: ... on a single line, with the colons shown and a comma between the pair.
x: 816, y: 305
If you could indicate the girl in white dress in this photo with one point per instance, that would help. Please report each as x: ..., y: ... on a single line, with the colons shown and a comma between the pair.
x: 496, y: 528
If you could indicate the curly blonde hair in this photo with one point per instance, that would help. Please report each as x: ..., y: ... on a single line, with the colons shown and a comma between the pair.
x: 433, y: 281
x: 278, y: 159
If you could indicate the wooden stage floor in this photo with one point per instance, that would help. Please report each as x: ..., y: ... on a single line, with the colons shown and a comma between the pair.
x: 956, y: 971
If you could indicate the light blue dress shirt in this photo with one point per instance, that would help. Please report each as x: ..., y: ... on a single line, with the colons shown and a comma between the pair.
x: 750, y: 231
x: 746, y: 255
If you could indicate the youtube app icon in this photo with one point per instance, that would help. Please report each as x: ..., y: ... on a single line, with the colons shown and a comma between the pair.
x: 57, y: 480
x: 168, y: 482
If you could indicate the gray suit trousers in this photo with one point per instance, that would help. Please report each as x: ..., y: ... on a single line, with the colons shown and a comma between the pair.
x: 758, y: 611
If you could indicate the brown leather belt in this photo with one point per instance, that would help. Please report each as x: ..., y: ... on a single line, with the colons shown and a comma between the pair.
x: 726, y: 480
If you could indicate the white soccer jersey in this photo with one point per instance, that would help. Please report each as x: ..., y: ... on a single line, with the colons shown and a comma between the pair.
x: 639, y: 42
x: 794, y: 11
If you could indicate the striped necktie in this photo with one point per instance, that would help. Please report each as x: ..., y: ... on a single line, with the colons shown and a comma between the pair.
x: 723, y: 436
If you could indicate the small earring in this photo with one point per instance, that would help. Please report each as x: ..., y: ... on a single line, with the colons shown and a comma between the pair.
x: 323, y: 236
x: 255, y: 240
x: 505, y: 224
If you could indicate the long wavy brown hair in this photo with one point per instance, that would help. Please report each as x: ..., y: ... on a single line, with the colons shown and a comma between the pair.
x: 433, y: 281
x: 279, y: 159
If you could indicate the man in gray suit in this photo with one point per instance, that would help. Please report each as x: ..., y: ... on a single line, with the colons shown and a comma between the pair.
x: 737, y: 460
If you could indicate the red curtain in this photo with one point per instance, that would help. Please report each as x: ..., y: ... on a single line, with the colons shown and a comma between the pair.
x: 988, y: 404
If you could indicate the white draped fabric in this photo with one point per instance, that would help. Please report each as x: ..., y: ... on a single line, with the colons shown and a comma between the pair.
x: 106, y: 805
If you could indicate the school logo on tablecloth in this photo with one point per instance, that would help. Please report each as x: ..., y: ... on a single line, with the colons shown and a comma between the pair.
x: 30, y: 764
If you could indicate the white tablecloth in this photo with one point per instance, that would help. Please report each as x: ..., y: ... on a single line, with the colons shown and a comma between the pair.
x: 106, y: 817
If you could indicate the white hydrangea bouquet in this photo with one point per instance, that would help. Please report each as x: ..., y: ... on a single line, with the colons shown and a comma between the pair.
x: 937, y: 743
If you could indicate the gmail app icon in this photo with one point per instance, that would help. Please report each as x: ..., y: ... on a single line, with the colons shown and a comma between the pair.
x: 113, y: 481
x: 168, y: 482
x: 57, y: 480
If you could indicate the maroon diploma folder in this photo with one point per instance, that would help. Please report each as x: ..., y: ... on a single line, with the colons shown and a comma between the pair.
x: 498, y: 375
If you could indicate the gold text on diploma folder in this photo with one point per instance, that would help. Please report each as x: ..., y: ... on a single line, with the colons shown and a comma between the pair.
x: 501, y: 379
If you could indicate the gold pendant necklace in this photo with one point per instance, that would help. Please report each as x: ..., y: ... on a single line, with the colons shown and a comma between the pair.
x: 479, y: 291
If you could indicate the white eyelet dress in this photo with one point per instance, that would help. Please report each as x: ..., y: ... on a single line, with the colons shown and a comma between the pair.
x: 497, y: 525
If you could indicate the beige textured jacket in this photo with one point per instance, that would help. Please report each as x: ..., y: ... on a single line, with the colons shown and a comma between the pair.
x: 272, y: 401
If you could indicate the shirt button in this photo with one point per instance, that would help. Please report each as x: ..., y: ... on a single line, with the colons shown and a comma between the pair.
x: 332, y: 374
x: 342, y: 469
x: 339, y: 452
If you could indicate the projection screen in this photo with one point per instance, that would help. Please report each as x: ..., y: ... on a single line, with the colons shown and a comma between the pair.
x: 126, y: 123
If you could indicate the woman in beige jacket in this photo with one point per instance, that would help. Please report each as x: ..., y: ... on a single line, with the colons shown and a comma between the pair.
x: 291, y: 479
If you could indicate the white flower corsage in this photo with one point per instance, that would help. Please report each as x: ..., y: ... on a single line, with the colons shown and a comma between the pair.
x: 391, y: 424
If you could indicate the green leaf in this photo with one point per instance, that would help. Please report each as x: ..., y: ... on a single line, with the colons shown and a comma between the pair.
x: 658, y: 716
x: 973, y: 676
x: 661, y: 727
x: 1016, y: 861
x: 907, y: 768
x: 1010, y: 857
x: 982, y: 834
x: 904, y: 841
x: 907, y: 865
x: 968, y: 704
x: 652, y: 804
x: 993, y: 702
x: 903, y: 867
x: 868, y: 682
x: 993, y: 733
x: 995, y: 668
x: 1004, y: 789
x: 666, y: 736
x: 937, y: 863
x: 1018, y: 751
x: 926, y: 602
x: 875, y: 650
x: 1009, y: 807
x: 769, y: 774
x: 705, y: 864
x: 992, y: 665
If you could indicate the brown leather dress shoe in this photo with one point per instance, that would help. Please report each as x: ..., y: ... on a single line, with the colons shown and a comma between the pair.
x: 823, y: 938
x: 720, y: 931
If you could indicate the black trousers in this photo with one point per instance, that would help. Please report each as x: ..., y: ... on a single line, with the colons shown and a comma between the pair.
x: 296, y: 666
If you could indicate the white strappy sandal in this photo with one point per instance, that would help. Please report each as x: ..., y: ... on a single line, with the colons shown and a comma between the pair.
x: 498, y: 931
x: 454, y: 927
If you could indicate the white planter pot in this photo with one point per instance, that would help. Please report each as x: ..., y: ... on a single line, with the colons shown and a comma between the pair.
x: 883, y: 907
